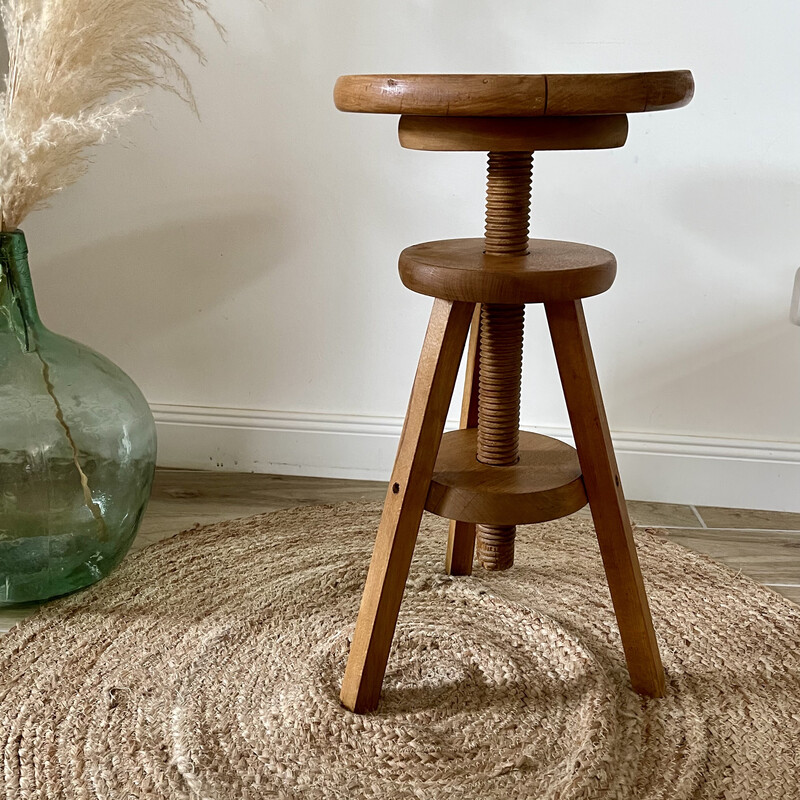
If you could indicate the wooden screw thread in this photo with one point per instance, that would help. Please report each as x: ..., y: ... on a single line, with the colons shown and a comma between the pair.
x: 495, y: 546
x: 500, y: 372
x: 508, y: 204
x: 499, y: 384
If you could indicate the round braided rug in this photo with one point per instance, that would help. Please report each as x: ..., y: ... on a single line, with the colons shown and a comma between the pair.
x: 208, y: 666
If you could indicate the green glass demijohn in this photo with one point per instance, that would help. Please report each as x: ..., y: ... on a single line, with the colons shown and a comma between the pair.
x: 77, y: 450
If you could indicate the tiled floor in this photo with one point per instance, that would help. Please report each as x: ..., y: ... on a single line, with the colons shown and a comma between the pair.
x: 762, y: 544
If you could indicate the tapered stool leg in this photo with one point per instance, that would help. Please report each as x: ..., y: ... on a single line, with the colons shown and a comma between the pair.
x: 461, y: 539
x: 601, y: 477
x: 405, y: 502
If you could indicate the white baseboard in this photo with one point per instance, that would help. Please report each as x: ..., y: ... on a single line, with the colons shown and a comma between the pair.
x: 663, y: 468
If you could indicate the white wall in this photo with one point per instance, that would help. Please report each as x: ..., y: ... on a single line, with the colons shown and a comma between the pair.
x: 248, y: 261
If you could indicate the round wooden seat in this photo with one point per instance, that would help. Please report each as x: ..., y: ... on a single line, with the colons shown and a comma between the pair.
x: 458, y: 269
x: 514, y: 95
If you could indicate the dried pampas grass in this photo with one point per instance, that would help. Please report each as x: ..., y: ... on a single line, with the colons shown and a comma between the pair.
x: 76, y: 71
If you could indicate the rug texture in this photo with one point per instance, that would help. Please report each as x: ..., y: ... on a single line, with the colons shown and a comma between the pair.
x: 208, y: 666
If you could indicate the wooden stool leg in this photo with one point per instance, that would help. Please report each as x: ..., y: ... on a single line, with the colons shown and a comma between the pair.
x: 601, y: 477
x: 405, y: 502
x: 461, y: 541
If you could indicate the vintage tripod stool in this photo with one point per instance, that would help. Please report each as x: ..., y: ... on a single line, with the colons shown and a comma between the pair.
x: 489, y: 476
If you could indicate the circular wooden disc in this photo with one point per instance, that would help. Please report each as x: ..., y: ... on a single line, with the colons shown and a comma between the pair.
x: 544, y: 484
x: 514, y: 95
x: 458, y: 269
x: 512, y: 134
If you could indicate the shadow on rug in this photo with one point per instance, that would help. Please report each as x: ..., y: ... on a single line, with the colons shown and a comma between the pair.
x: 208, y: 666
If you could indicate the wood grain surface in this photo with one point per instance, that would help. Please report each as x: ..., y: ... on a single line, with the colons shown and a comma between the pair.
x: 544, y: 484
x: 612, y: 524
x: 514, y: 95
x: 459, y: 269
x: 461, y: 536
x: 512, y: 134
x: 183, y: 499
x: 404, y: 504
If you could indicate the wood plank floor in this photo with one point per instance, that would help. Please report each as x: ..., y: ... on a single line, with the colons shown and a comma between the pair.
x: 762, y: 544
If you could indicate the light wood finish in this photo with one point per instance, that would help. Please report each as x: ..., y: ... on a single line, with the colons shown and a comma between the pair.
x: 513, y: 95
x: 544, y: 484
x: 604, y: 490
x: 12, y: 615
x: 512, y: 134
x: 184, y: 498
x: 404, y: 504
x: 461, y: 537
x: 766, y: 556
x: 746, y: 518
x: 789, y: 592
x: 458, y: 269
x: 648, y: 513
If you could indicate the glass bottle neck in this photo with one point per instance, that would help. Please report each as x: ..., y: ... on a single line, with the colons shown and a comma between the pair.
x: 18, y: 313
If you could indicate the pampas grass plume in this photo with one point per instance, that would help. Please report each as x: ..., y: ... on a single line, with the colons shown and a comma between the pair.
x: 77, y: 69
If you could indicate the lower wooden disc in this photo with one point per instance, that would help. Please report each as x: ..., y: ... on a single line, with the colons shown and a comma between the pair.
x: 546, y: 483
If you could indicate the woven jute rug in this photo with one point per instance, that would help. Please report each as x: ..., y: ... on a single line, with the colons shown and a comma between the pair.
x: 208, y: 666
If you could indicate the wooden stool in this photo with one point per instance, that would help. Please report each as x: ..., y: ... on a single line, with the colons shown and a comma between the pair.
x: 489, y: 476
